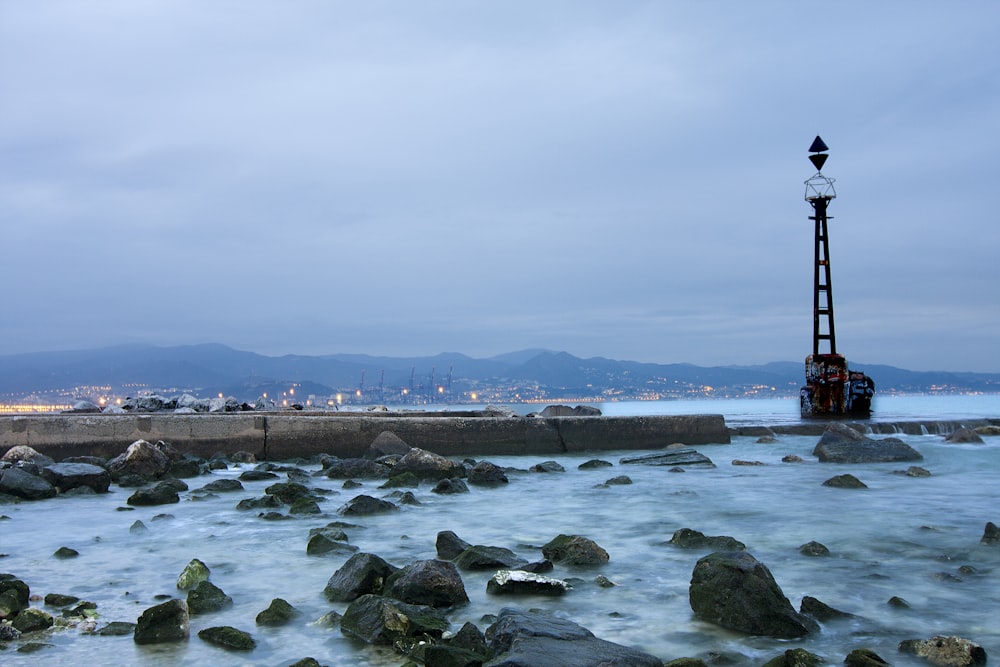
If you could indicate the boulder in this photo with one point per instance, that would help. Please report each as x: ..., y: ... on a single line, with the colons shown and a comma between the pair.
x: 734, y: 590
x: 863, y: 657
x: 357, y: 468
x: 279, y: 612
x: 26, y: 454
x: 519, y: 582
x: 822, y: 612
x: 206, y: 597
x: 166, y: 622
x: 946, y: 651
x: 323, y: 543
x: 427, y: 465
x: 386, y: 443
x: 547, y: 466
x: 814, y: 549
x: 450, y: 486
x: 141, y: 459
x: 485, y: 473
x: 406, y: 480
x: 32, y: 620
x: 575, y: 550
x: 842, y: 444
x: 449, y: 545
x: 224, y: 485
x: 364, y: 505
x: 991, y: 534
x: 519, y: 638
x: 847, y: 481
x: 228, y: 637
x: 193, y: 574
x: 362, y: 574
x: 435, y: 583
x: 965, y: 435
x: 21, y: 484
x: 10, y: 604
x: 566, y: 411
x: 594, y: 464
x: 479, y: 557
x: 289, y: 492
x: 159, y: 494
x: 686, y: 538
x: 684, y: 456
x: 380, y: 620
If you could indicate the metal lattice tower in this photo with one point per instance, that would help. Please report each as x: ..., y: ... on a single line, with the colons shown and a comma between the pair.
x: 819, y: 193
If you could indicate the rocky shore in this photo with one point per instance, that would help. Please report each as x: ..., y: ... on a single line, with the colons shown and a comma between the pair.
x: 407, y: 606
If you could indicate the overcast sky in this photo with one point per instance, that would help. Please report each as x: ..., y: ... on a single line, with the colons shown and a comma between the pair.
x: 620, y: 179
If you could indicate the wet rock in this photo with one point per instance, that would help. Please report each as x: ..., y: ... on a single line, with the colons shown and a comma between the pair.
x: 814, y: 549
x: 531, y: 638
x: 408, y: 499
x: 795, y: 657
x: 9, y: 633
x: 187, y: 467
x: 736, y: 591
x: 594, y: 464
x: 159, y: 494
x: 917, y: 471
x: 279, y: 612
x: 946, y: 651
x: 547, y: 466
x: 358, y: 468
x: 450, y: 486
x: 26, y: 454
x: 429, y: 466
x: 519, y: 582
x: 381, y: 620
x: 479, y: 557
x: 842, y: 444
x: 290, y: 492
x: 228, y: 637
x: 364, y: 505
x: 116, y: 629
x: 141, y: 459
x: 485, y: 473
x: 20, y: 484
x: 435, y: 583
x: 362, y: 574
x: 810, y: 606
x: 206, y: 597
x: 166, y: 622
x: 406, y: 480
x: 741, y: 462
x: 684, y: 456
x: 66, y: 552
x: 620, y: 480
x: 305, y: 506
x: 470, y: 638
x: 257, y: 475
x: 964, y: 435
x: 847, y: 481
x: 863, y: 657
x: 386, y: 443
x: 575, y: 550
x: 68, y: 476
x: 193, y: 574
x: 791, y: 458
x: 686, y: 538
x: 446, y: 655
x: 323, y: 543
x: 32, y: 620
x: 898, y: 602
x: 223, y: 486
x: 60, y: 600
x: 15, y: 589
x: 449, y: 545
x: 264, y: 502
x: 991, y: 534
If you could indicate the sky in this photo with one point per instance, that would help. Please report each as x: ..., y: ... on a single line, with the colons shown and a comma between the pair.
x: 620, y: 179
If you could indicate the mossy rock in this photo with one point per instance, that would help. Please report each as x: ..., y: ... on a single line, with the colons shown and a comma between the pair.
x: 228, y: 637
x: 278, y: 613
x: 194, y: 573
x: 32, y: 620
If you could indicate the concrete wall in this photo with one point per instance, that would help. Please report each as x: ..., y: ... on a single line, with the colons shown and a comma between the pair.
x: 277, y: 436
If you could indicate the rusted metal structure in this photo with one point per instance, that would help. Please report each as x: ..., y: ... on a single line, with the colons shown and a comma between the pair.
x: 831, y: 389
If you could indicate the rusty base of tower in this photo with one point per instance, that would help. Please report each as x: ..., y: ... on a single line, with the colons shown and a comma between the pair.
x: 834, y: 391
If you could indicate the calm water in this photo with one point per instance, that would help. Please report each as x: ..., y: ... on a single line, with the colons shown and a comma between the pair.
x: 902, y: 536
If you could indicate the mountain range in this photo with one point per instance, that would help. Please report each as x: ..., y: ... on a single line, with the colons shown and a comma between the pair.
x: 212, y: 369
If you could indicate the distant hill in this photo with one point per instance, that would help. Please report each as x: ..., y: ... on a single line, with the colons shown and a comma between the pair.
x: 213, y: 368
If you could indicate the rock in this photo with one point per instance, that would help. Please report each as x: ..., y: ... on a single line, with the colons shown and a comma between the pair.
x: 791, y: 458
x: 289, y: 492
x: 470, y: 638
x: 193, y: 574
x: 362, y: 574
x: 380, y: 620
x: 359, y: 468
x: 16, y: 589
x: 991, y: 534
x: 566, y: 411
x: 141, y: 459
x: 159, y: 494
x: 593, y: 464
x: 485, y: 473
x: 620, y: 480
x: 223, y: 486
x: 498, y: 412
x: 521, y: 638
x: 257, y: 475
x: 685, y: 456
x: 20, y: 484
x: 864, y: 657
x: 820, y: 611
x: 26, y: 454
x: 66, y: 476
x: 32, y: 620
x: 66, y: 552
x: 795, y: 657
x: 898, y: 602
x: 364, y: 505
x: 435, y: 583
x: 814, y: 549
x: 305, y: 506
x: 8, y: 633
x: 847, y: 481
x: 166, y: 622
x: 686, y: 538
x: 323, y: 543
x: 11, y: 604
x: 450, y: 486
x: 736, y: 591
x: 206, y: 597
x: 519, y: 582
x: 386, y: 443
x: 842, y: 444
x: 429, y: 466
x: 547, y: 466
x: 964, y: 435
x: 406, y: 480
x: 917, y: 471
x: 279, y: 612
x: 946, y: 651
x: 575, y: 550
x: 116, y: 629
x: 989, y: 429
x: 479, y: 557
x: 446, y: 655
x: 449, y: 545
x: 60, y: 600
x: 228, y: 637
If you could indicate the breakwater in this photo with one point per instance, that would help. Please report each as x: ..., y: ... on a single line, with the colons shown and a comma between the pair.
x: 284, y: 435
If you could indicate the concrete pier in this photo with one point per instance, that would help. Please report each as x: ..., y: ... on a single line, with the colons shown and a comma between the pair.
x: 286, y: 435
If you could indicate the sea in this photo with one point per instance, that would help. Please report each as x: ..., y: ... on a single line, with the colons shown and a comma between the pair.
x: 908, y: 537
